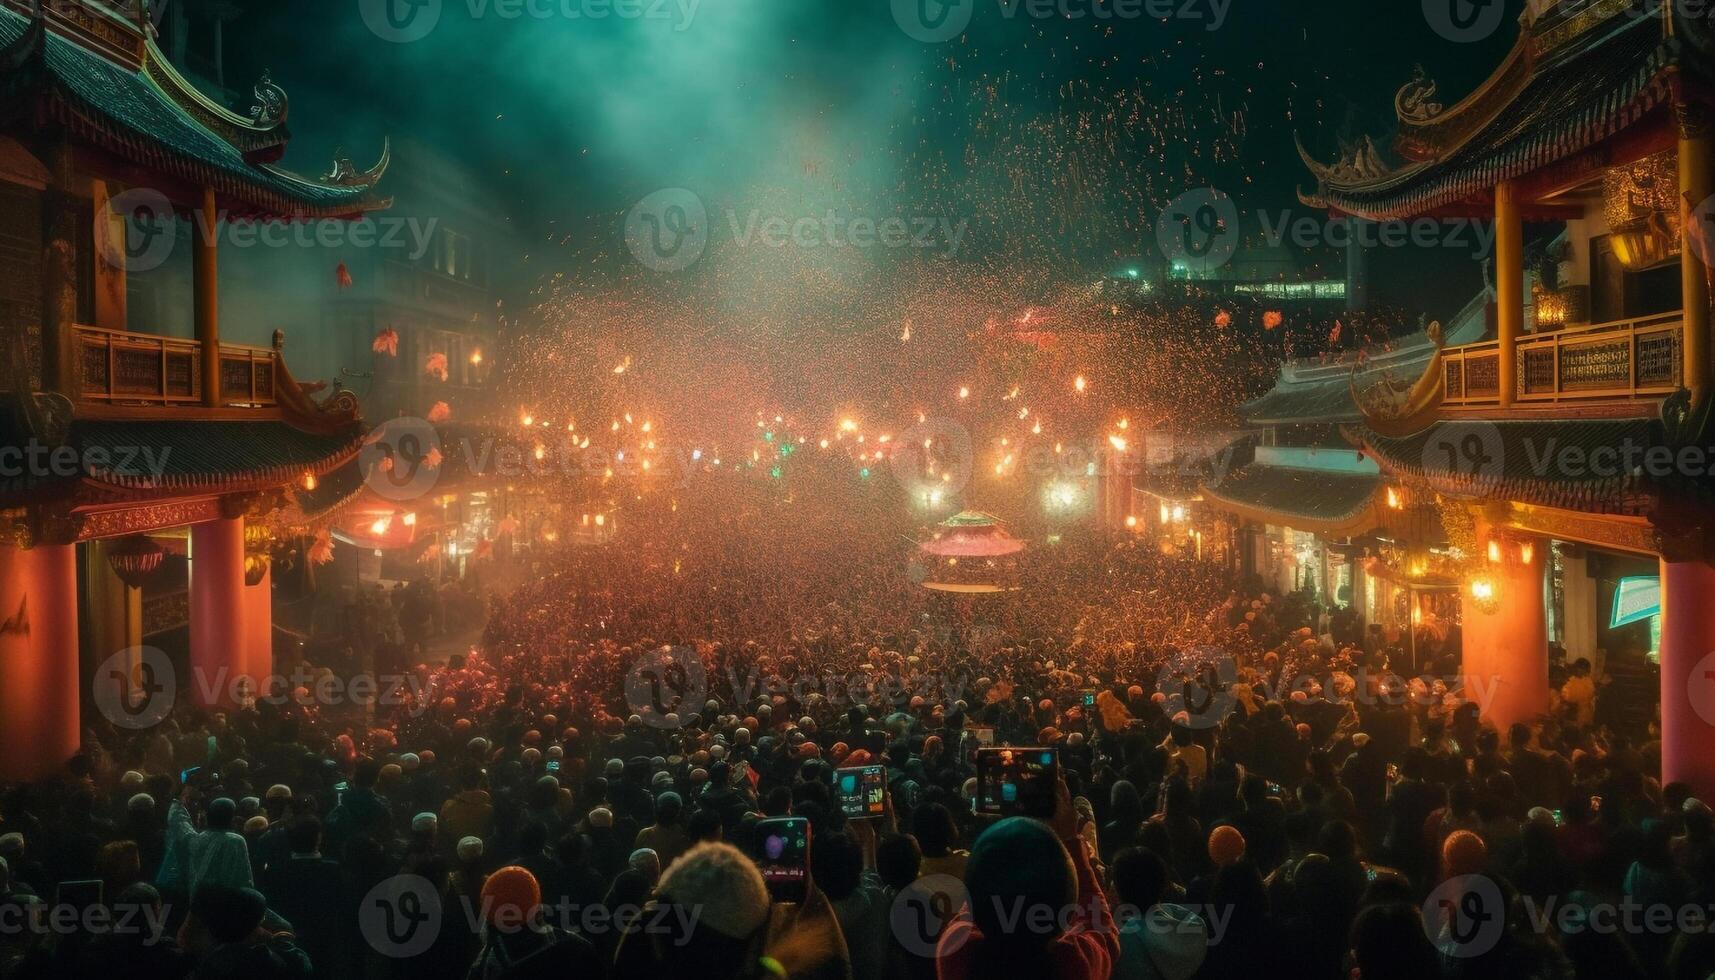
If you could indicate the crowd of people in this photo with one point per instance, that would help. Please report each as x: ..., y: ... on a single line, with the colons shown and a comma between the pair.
x: 1237, y: 786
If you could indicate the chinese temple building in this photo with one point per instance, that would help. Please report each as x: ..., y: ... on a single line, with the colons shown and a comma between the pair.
x: 1574, y: 434
x: 130, y: 450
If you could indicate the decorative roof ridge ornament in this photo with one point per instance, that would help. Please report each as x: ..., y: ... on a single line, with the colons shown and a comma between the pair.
x: 338, y: 411
x: 30, y: 45
x: 1686, y: 418
x: 345, y: 174
x: 1358, y: 162
x: 1414, y: 102
x: 271, y: 102
x: 1393, y: 408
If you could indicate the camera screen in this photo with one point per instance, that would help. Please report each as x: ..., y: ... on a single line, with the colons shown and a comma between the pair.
x: 860, y: 791
x: 1016, y: 781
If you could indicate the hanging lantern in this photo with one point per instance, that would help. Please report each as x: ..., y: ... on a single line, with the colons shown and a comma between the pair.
x: 135, y: 558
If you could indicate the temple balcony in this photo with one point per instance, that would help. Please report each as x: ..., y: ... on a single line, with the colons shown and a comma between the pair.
x: 1624, y: 360
x: 118, y: 368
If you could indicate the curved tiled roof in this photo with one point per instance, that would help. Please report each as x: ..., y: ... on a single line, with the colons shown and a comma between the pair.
x: 1575, y: 99
x: 1591, y: 465
x: 126, y: 112
x: 1303, y: 499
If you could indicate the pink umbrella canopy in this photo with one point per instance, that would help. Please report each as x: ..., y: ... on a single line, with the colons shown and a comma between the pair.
x: 972, y: 534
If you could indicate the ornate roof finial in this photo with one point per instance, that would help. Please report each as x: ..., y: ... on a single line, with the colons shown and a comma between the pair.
x: 271, y: 102
x: 345, y: 173
x: 1414, y: 102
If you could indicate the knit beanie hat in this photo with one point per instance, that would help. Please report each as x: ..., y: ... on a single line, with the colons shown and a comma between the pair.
x: 1226, y: 845
x: 720, y: 881
x: 510, y: 897
x: 1463, y: 853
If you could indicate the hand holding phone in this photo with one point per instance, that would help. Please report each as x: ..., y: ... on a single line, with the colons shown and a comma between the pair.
x: 1017, y: 782
x: 861, y: 791
x: 783, y: 856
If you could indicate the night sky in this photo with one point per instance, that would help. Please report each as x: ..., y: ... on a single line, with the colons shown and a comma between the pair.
x: 1058, y: 139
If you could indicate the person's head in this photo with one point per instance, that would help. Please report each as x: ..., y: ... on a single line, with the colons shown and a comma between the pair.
x: 511, y: 897
x: 1125, y: 803
x: 669, y: 807
x: 1463, y: 853
x: 137, y: 902
x: 1226, y: 845
x: 1140, y: 877
x: 836, y: 864
x: 1018, y: 865
x: 120, y: 862
x: 1338, y: 841
x: 229, y: 914
x: 934, y: 829
x: 705, y: 825
x: 898, y: 860
x: 646, y: 862
x: 1389, y: 943
x: 727, y: 891
x: 221, y: 813
x: 366, y: 772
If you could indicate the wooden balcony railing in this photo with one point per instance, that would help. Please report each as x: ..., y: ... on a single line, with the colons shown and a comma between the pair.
x: 1637, y: 358
x: 119, y: 367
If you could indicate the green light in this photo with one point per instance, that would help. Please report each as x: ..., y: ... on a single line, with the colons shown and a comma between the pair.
x: 864, y: 472
x: 786, y: 449
x: 768, y: 437
x: 1132, y: 273
x: 775, y: 472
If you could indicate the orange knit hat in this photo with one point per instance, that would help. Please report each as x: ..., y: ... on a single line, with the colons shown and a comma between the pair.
x: 1463, y: 853
x: 510, y: 897
x: 1226, y: 845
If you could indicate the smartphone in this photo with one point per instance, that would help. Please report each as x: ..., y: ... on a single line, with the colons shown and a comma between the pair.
x: 1087, y: 699
x: 859, y: 790
x: 984, y: 735
x: 553, y: 765
x: 1016, y: 781
x: 783, y: 856
x: 339, y: 790
x: 186, y: 775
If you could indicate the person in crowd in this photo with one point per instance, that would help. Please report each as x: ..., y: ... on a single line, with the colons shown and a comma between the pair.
x: 1023, y: 876
x: 1303, y: 824
x: 518, y: 942
x: 1159, y: 940
x: 309, y: 891
x: 216, y: 855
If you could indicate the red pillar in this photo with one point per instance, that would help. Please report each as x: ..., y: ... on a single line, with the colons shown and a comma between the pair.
x: 39, y: 724
x: 217, y: 610
x: 1688, y: 675
x: 1506, y: 651
x: 259, y: 630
